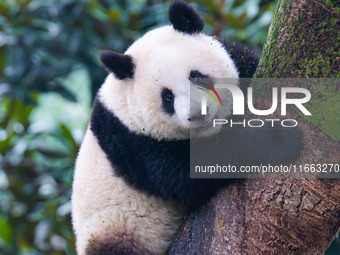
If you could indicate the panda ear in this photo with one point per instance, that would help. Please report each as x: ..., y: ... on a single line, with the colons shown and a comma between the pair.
x: 120, y: 64
x: 184, y: 18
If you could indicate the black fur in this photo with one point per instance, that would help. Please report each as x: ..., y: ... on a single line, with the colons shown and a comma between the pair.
x: 162, y: 167
x: 246, y: 146
x: 120, y: 64
x: 246, y: 61
x: 168, y: 105
x: 196, y: 75
x: 184, y: 18
x: 159, y: 167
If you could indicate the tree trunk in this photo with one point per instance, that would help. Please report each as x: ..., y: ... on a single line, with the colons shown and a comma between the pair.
x: 284, y: 216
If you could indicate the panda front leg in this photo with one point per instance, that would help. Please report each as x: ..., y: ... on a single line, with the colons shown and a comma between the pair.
x: 111, y: 217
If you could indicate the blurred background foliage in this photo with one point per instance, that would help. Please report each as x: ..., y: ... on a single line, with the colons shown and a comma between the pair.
x: 49, y: 74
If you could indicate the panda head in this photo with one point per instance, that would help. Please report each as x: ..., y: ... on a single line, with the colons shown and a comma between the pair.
x: 149, y: 86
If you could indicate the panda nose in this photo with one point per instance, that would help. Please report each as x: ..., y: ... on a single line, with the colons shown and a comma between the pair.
x: 197, y: 116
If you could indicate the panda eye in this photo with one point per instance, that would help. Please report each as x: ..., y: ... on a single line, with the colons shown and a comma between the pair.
x: 168, y: 96
x: 168, y: 99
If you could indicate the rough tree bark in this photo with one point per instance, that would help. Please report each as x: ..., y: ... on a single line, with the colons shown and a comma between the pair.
x: 283, y: 216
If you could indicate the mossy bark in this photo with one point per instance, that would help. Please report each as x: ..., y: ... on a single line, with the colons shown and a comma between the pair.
x: 283, y: 216
x: 303, y: 41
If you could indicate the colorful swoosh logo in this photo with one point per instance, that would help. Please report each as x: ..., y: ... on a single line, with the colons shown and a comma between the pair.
x: 212, y: 89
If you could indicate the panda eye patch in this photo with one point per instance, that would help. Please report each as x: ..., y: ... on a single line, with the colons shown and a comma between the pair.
x: 168, y: 96
x: 196, y: 76
x: 168, y: 99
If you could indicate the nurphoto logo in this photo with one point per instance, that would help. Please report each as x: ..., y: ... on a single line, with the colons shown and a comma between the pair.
x: 301, y: 95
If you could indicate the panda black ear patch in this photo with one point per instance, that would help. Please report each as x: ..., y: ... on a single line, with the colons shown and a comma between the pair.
x: 120, y: 64
x: 184, y: 18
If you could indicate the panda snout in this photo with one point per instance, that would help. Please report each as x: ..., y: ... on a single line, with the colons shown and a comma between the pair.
x: 197, y: 116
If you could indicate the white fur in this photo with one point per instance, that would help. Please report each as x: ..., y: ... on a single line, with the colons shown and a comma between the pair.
x: 164, y: 58
x: 103, y: 204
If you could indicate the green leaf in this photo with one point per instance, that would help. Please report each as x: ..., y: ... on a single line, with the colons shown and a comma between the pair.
x: 6, y: 232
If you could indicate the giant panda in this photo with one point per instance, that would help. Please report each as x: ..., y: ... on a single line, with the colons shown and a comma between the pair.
x: 132, y: 185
